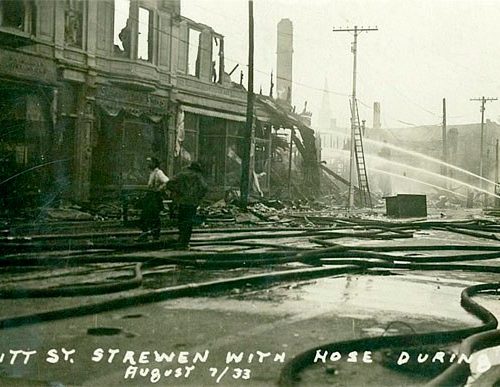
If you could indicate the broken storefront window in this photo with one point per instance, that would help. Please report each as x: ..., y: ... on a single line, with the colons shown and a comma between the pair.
x: 188, y: 151
x: 212, y: 144
x: 24, y: 146
x: 120, y: 155
x: 234, y: 152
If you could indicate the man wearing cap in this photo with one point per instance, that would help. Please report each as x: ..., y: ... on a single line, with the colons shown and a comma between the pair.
x: 188, y: 189
x: 153, y: 201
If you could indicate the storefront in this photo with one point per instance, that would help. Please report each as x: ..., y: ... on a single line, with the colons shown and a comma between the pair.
x: 215, y: 139
x: 28, y: 158
x: 130, y: 126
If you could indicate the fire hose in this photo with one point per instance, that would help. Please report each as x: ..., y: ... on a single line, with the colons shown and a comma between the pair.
x: 352, y: 260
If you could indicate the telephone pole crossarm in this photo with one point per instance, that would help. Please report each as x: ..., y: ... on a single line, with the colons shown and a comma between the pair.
x: 355, y: 29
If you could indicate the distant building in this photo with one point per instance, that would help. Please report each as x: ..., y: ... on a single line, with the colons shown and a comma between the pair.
x: 463, y: 150
x: 376, y: 116
x: 324, y: 117
x: 326, y: 126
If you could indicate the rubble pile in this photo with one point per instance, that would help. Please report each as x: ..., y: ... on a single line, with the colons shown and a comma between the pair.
x: 445, y: 200
x: 66, y: 214
x: 109, y: 210
x: 295, y: 213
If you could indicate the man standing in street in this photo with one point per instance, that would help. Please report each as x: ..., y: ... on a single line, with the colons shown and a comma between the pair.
x: 188, y: 189
x: 153, y: 201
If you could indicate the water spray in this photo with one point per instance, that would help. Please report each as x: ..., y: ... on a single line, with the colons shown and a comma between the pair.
x: 343, y: 152
x: 423, y: 156
x: 415, y: 180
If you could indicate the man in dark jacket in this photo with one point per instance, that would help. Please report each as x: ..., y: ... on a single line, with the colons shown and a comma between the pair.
x: 188, y: 189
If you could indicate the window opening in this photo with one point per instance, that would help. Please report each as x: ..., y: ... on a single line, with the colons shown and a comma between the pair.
x: 19, y: 15
x: 234, y: 152
x: 212, y: 142
x: 73, y: 28
x: 122, y: 28
x: 13, y: 13
x: 194, y: 52
x: 189, y: 146
x: 216, y: 58
x: 144, y: 40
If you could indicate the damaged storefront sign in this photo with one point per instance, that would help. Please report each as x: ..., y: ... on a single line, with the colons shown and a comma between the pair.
x: 114, y: 100
x: 25, y: 66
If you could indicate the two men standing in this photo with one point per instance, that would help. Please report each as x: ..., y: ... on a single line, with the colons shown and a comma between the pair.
x: 187, y: 190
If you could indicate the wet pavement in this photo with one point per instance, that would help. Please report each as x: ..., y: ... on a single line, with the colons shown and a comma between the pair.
x: 285, y: 318
x: 281, y: 319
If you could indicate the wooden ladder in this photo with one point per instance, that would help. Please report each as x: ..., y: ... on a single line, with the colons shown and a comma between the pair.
x: 364, y: 187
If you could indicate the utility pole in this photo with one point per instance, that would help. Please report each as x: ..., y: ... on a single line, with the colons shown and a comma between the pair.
x: 444, y: 169
x: 497, y: 200
x: 496, y: 161
x: 247, y: 139
x: 481, y: 146
x: 290, y: 154
x: 271, y: 87
x: 354, y: 50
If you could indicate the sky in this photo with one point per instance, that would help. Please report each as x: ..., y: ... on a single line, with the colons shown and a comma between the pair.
x: 423, y: 51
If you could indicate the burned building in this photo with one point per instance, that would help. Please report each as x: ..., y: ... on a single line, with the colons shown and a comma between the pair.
x: 28, y: 95
x: 86, y: 97
x: 91, y: 88
x: 210, y: 111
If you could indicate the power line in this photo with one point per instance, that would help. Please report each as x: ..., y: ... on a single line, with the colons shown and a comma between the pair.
x: 230, y: 59
x: 225, y: 57
x: 405, y: 96
x: 207, y: 10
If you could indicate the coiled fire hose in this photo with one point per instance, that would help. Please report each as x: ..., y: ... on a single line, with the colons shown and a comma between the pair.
x: 290, y: 373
